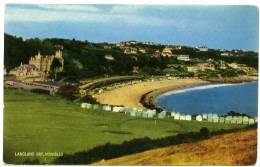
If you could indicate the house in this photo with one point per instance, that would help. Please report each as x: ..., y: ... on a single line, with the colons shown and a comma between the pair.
x: 162, y: 114
x: 130, y: 50
x: 202, y: 48
x: 39, y: 66
x: 109, y: 57
x: 201, y: 67
x: 141, y: 50
x: 106, y: 46
x: 225, y: 54
x: 167, y: 52
x: 183, y: 57
x: 176, y: 47
x: 135, y: 70
x: 157, y: 53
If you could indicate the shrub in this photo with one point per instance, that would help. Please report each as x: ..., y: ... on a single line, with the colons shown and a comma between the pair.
x: 204, y: 131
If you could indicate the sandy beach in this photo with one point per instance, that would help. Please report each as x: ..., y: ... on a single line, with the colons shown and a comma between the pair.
x: 131, y: 95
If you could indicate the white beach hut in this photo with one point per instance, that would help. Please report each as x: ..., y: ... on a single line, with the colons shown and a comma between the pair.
x: 199, y: 118
x: 239, y: 120
x: 182, y: 117
x: 251, y: 121
x: 107, y: 108
x: 221, y: 119
x: 177, y: 116
x: 188, y: 117
x: 245, y: 120
x: 118, y: 109
x: 228, y: 119
x: 204, y: 116
x: 173, y: 114
x: 215, y: 118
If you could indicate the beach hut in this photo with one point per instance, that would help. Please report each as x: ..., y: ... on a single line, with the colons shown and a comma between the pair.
x: 182, y: 117
x: 107, y: 108
x: 162, y: 114
x: 177, y: 116
x: 204, y: 116
x: 245, y: 120
x: 86, y: 105
x: 228, y: 119
x: 118, y: 109
x: 173, y: 114
x: 139, y: 113
x: 188, y: 117
x: 150, y: 114
x: 210, y: 117
x: 199, y: 118
x: 251, y: 121
x: 239, y: 120
x: 255, y: 119
x: 215, y: 118
x: 233, y: 120
x: 145, y: 114
x: 221, y: 119
x: 133, y: 113
x: 95, y: 106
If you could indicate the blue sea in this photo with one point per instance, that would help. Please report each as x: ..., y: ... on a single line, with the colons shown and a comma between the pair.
x: 219, y: 99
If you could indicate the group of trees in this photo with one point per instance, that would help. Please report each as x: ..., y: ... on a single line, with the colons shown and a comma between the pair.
x: 83, y: 59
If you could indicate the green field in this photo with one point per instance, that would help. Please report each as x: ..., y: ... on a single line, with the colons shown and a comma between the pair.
x: 42, y: 123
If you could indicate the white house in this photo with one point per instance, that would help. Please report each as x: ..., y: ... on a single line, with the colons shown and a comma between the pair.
x: 182, y: 117
x: 202, y: 48
x: 183, y: 57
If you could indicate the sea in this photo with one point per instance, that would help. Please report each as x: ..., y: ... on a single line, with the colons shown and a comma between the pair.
x: 215, y: 98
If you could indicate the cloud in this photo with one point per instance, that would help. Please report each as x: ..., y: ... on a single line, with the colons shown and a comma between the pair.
x: 127, y: 14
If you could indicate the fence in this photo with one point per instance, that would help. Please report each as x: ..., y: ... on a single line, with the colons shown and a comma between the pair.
x: 148, y: 113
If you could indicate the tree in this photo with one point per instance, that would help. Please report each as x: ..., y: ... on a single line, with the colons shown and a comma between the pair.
x: 56, y: 67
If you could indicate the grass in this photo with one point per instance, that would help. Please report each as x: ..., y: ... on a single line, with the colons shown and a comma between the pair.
x: 41, y: 123
x: 237, y: 148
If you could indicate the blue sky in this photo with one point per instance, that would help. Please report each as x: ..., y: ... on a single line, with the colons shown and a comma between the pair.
x: 226, y: 27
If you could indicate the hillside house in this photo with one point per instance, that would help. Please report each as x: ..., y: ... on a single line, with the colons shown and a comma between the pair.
x: 157, y: 53
x: 202, y: 48
x: 130, y: 50
x: 183, y: 57
x: 109, y: 57
x: 201, y: 67
x: 167, y: 52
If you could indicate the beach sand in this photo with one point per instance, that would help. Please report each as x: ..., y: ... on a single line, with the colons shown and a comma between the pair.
x: 131, y: 95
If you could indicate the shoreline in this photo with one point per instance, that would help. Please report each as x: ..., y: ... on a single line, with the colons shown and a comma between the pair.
x: 142, y: 95
x: 148, y: 99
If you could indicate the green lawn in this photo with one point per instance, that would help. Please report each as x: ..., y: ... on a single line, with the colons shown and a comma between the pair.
x: 42, y: 123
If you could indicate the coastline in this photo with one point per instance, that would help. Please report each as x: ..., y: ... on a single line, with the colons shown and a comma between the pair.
x: 143, y: 95
x: 148, y: 99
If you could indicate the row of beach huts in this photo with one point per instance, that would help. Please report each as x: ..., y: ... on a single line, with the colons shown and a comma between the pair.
x: 148, y: 113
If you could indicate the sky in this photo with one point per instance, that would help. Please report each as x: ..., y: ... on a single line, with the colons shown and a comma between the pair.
x: 219, y: 27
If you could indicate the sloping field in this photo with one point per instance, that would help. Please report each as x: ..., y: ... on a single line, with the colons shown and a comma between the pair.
x: 237, y: 148
x: 49, y: 124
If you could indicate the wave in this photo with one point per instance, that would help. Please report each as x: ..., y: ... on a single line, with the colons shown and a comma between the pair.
x: 196, y: 88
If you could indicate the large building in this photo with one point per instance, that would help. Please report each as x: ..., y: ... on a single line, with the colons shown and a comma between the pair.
x: 39, y: 66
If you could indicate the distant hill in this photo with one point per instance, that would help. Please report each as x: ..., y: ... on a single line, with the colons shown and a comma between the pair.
x: 238, y: 148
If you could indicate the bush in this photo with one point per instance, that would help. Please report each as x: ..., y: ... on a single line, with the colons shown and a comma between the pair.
x: 204, y: 131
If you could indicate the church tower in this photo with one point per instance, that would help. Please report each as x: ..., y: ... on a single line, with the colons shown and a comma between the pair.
x: 59, y: 56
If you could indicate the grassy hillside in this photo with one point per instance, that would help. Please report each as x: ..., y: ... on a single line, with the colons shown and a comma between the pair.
x: 41, y: 123
x: 237, y: 148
